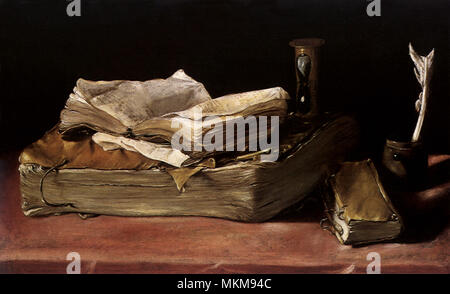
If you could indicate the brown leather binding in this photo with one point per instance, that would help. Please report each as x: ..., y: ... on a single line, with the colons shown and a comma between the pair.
x: 52, y: 150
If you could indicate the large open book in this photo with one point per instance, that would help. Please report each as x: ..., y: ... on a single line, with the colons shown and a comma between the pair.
x: 156, y: 109
x: 149, y: 116
x: 239, y: 188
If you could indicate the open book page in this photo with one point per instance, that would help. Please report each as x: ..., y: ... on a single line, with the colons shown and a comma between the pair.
x: 247, y: 103
x: 127, y: 114
x: 118, y: 106
x: 79, y: 113
x: 266, y: 102
x: 150, y: 150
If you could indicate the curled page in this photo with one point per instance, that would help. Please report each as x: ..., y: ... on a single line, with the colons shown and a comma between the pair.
x: 242, y: 104
x: 150, y: 150
x: 118, y: 106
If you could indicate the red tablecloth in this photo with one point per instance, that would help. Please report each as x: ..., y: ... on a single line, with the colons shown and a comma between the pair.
x: 289, y: 244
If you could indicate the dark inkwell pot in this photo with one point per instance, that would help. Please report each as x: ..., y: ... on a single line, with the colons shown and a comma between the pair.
x: 405, y: 163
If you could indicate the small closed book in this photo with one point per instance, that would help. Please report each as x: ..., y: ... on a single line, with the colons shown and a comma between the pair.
x: 357, y: 207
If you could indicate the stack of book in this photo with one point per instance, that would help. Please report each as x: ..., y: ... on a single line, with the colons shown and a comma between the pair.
x: 164, y: 148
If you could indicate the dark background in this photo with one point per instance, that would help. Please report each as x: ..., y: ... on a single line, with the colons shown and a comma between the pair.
x: 230, y: 46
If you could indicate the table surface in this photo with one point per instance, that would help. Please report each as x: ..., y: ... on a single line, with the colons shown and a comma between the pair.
x: 293, y: 243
